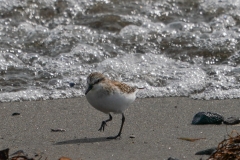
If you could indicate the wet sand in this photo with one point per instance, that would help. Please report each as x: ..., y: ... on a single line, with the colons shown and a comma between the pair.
x: 156, y: 123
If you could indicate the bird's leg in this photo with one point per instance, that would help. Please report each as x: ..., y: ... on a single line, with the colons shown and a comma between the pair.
x: 104, y: 123
x: 120, y: 131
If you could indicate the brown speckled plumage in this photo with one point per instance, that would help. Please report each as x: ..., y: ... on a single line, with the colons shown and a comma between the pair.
x: 92, y: 78
x: 124, y: 87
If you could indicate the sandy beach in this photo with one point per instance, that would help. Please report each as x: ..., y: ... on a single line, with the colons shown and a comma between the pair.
x: 156, y: 123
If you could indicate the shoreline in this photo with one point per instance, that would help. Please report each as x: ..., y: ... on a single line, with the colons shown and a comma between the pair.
x: 156, y: 123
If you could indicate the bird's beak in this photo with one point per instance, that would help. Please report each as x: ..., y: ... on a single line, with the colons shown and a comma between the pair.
x: 88, y: 89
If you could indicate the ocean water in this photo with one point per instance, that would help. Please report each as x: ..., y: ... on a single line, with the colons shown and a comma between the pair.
x: 171, y: 47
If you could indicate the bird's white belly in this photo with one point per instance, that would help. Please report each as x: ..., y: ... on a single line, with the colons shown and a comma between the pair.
x: 115, y: 103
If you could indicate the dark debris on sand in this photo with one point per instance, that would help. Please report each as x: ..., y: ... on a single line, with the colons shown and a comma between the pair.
x: 20, y: 155
x: 213, y: 118
x: 207, y: 118
x: 228, y: 149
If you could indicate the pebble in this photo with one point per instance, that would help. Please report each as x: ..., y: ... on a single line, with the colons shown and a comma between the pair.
x: 170, y: 158
x: 71, y: 84
x: 15, y: 114
x: 232, y: 120
x: 207, y: 118
x: 207, y: 151
x: 58, y: 130
x: 132, y: 136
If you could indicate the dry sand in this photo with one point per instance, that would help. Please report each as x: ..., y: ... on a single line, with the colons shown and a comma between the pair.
x: 155, y: 122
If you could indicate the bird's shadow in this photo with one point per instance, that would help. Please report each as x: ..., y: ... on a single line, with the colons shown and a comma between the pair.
x: 83, y: 140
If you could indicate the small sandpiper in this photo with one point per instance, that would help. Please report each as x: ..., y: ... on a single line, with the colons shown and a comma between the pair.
x: 109, y: 96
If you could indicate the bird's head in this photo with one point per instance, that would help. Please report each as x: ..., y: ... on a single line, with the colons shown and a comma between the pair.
x: 93, y: 79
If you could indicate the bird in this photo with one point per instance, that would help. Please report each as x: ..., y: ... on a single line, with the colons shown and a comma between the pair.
x: 109, y: 96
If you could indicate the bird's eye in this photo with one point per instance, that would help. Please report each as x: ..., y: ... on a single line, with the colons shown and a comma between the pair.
x: 98, y: 81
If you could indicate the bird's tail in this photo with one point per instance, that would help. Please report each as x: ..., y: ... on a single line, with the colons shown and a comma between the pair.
x: 139, y: 88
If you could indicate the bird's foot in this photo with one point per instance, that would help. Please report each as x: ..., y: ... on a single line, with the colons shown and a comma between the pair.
x: 102, y: 126
x: 115, y: 137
